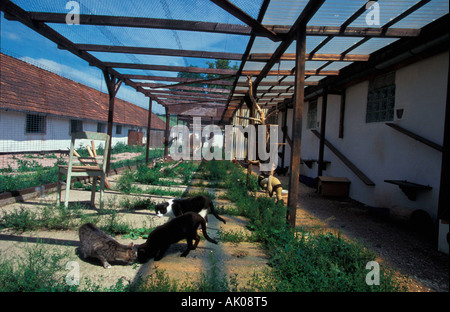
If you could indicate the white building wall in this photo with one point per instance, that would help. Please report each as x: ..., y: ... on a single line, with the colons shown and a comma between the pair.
x: 381, y: 152
x: 57, y: 136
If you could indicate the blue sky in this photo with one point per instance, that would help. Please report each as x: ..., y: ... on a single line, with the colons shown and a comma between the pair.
x: 21, y: 42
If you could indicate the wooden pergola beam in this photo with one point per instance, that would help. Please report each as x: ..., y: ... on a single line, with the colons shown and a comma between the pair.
x: 157, y: 51
x: 338, y: 31
x: 247, y: 19
x: 212, y: 81
x: 355, y: 15
x: 262, y: 94
x: 308, y: 12
x: 277, y: 84
x: 195, y: 103
x: 265, y: 57
x: 144, y: 22
x: 209, y: 96
x: 187, y: 88
x: 404, y: 14
x: 290, y: 73
x: 171, y: 68
x: 234, y: 29
x: 192, y: 98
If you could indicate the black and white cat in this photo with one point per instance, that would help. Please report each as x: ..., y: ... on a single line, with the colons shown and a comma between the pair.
x: 176, y: 207
x: 182, y: 227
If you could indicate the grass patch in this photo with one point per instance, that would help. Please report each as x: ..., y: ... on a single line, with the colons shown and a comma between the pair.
x: 40, y: 269
x: 30, y: 173
x: 48, y: 217
x: 43, y: 175
x: 164, y: 192
x: 200, y: 192
x: 137, y: 204
x: 235, y: 236
x: 299, y: 262
x: 57, y: 217
x: 161, y: 173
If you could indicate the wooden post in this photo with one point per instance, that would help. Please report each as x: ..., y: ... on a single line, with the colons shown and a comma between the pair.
x: 323, y: 121
x: 252, y: 114
x: 342, y: 115
x: 444, y: 198
x: 284, y: 129
x: 188, y: 122
x: 297, y: 124
x: 149, y: 127
x: 113, y: 85
x: 166, y: 139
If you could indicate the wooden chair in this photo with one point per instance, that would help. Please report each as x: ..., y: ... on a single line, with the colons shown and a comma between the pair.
x: 94, y: 167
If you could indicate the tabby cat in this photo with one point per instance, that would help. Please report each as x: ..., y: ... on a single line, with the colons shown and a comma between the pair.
x: 97, y: 244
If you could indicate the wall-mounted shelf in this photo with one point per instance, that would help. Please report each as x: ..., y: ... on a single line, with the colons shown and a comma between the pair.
x: 409, y: 188
x: 325, y: 164
x: 309, y: 163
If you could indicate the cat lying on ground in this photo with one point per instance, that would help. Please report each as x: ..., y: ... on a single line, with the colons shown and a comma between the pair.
x: 97, y: 244
x: 182, y: 227
x: 176, y: 207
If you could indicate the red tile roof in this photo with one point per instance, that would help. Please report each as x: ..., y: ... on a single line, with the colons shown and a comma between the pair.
x: 25, y: 87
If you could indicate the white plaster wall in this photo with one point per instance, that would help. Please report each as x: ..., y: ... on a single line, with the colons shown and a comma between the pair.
x: 381, y: 152
x: 57, y: 136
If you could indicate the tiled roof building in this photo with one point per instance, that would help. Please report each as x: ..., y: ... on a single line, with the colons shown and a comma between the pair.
x: 27, y: 88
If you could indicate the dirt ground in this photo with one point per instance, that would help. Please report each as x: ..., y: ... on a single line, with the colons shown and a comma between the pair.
x: 240, y: 259
x: 418, y: 265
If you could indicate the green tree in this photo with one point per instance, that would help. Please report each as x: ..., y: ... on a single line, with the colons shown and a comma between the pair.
x: 217, y: 64
x: 221, y: 64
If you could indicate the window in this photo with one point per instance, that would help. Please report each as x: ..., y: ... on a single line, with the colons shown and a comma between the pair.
x: 312, y: 115
x: 381, y: 99
x: 76, y: 126
x: 118, y: 129
x: 101, y: 127
x: 35, y: 123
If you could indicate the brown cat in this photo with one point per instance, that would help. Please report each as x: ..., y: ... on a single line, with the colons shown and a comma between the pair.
x: 97, y: 244
x: 159, y: 240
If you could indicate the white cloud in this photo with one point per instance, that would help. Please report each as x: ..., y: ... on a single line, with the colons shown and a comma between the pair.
x: 12, y: 36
